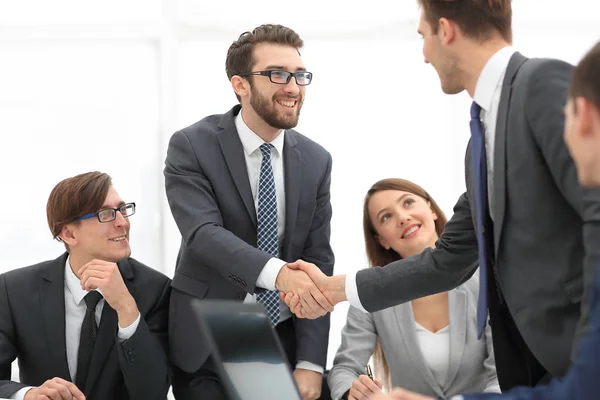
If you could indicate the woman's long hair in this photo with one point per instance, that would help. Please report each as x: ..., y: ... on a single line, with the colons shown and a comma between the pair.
x: 378, y: 256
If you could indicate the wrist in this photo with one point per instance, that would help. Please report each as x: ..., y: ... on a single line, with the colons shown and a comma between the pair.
x: 279, y: 281
x: 336, y: 288
x: 127, y: 313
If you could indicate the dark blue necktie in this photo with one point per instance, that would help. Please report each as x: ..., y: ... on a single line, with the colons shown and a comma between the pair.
x: 267, y: 239
x: 479, y: 165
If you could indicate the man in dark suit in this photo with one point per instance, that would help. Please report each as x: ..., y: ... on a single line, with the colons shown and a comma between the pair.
x: 582, y: 135
x: 91, y: 324
x: 524, y: 219
x: 250, y: 194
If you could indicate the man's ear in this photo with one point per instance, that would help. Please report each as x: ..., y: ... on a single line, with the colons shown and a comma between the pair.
x: 585, y: 115
x: 68, y: 236
x: 447, y: 31
x: 240, y: 86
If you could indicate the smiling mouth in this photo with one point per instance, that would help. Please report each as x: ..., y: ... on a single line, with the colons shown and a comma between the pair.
x: 118, y: 239
x: 411, y: 231
x: 287, y: 103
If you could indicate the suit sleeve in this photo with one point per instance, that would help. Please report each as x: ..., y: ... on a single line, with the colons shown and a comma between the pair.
x: 312, y: 336
x: 143, y: 357
x: 546, y: 94
x: 451, y: 263
x: 198, y: 217
x: 8, y: 350
x: 581, y: 381
x: 359, y: 338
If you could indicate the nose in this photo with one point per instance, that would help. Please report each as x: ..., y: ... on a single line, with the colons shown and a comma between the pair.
x: 292, y: 87
x: 403, y: 218
x: 120, y: 220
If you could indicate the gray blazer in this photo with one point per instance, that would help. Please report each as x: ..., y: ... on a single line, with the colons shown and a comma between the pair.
x: 471, y: 365
x: 210, y: 197
x: 545, y: 225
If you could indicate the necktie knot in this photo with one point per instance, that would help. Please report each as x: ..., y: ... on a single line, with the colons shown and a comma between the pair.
x: 92, y: 299
x: 475, y: 111
x: 265, y: 149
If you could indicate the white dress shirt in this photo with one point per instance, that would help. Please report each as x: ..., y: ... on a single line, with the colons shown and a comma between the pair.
x: 435, y: 348
x: 487, y: 95
x: 75, y: 309
x: 251, y: 143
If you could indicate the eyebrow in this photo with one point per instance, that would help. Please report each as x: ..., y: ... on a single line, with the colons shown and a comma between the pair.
x: 397, y: 201
x: 281, y: 67
x: 104, y: 206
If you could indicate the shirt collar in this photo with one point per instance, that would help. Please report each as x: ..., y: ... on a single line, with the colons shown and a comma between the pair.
x: 74, y: 284
x: 251, y: 141
x: 491, y: 75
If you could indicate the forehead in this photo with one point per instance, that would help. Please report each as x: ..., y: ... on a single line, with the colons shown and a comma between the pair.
x: 112, y: 198
x: 268, y: 55
x: 385, y: 197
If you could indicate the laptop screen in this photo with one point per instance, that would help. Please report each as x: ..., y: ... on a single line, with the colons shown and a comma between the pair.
x: 247, y: 351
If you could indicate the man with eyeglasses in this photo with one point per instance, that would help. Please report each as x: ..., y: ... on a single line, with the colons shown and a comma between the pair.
x: 93, y: 322
x: 249, y: 194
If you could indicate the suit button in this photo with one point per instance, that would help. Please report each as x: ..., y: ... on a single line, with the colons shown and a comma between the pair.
x: 243, y: 283
x: 230, y: 276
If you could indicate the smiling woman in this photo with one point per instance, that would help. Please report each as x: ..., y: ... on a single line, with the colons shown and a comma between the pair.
x: 441, y: 354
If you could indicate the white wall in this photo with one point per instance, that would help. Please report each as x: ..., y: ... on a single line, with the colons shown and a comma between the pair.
x: 89, y: 85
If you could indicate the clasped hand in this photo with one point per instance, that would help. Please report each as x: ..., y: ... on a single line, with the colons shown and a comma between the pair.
x: 304, y: 288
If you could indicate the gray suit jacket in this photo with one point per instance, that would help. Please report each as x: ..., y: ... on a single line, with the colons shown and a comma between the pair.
x: 545, y: 224
x: 471, y: 364
x: 209, y: 194
x: 32, y: 329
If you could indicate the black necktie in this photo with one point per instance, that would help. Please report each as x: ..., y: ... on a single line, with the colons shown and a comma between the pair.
x: 87, y: 338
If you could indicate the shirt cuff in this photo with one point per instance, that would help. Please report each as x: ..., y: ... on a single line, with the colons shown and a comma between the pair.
x: 267, y: 277
x: 310, y: 366
x: 459, y: 397
x: 20, y: 394
x: 352, y: 292
x: 126, y: 333
x: 493, y: 389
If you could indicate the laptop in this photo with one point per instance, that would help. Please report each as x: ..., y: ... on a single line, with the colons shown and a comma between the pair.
x: 247, y: 351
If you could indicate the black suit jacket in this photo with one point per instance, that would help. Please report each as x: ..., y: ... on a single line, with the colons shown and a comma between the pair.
x: 210, y: 197
x: 32, y: 329
x: 546, y: 226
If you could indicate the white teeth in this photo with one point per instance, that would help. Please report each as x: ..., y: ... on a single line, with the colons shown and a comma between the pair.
x: 411, y: 230
x: 119, y: 239
x: 287, y: 103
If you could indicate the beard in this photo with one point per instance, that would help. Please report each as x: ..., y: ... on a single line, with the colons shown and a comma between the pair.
x: 267, y: 110
x: 451, y: 77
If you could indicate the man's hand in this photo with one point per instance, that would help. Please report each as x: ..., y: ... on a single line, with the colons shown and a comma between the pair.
x: 55, y: 389
x: 333, y: 288
x: 400, y: 394
x: 363, y: 387
x: 309, y: 383
x: 310, y: 298
x: 106, y: 276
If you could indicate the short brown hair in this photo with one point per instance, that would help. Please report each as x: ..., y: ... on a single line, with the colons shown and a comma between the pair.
x: 585, y: 79
x: 240, y: 55
x: 478, y: 19
x: 74, y: 197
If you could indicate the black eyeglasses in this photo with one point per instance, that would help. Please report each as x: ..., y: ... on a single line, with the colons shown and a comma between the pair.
x: 110, y: 214
x: 280, y: 77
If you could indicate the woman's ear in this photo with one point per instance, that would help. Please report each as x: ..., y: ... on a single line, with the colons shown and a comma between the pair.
x: 433, y: 213
x: 383, y: 242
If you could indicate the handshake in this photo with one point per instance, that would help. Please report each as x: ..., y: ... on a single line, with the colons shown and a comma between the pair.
x: 307, y: 291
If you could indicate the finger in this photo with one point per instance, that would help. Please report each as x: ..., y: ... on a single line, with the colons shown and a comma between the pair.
x: 92, y: 273
x: 368, y: 383
x: 93, y: 283
x: 52, y: 393
x: 321, y: 300
x: 378, y: 383
x: 307, y: 308
x: 75, y: 392
x: 294, y: 265
x: 294, y: 302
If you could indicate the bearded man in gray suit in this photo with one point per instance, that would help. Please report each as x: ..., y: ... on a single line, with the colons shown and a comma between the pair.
x: 248, y: 194
x: 524, y: 217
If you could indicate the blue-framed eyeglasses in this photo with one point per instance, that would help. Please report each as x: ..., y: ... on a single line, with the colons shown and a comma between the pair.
x: 280, y: 77
x: 110, y: 214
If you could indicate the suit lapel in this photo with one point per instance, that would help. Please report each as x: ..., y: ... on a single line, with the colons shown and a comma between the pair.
x: 408, y: 331
x: 233, y: 151
x: 52, y: 299
x: 457, y: 312
x: 500, y: 148
x: 292, y: 165
x: 107, y: 331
